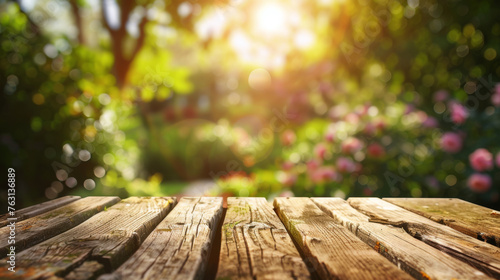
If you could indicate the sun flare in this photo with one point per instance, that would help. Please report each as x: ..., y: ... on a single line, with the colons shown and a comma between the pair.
x: 270, y: 18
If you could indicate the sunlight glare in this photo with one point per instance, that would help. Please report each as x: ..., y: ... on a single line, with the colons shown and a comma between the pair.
x: 239, y: 41
x: 270, y: 18
x: 304, y: 39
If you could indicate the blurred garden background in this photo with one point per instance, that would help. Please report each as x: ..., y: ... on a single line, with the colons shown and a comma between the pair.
x: 251, y: 98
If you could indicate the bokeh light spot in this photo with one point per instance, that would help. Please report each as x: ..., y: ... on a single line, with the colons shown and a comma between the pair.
x: 99, y: 171
x: 50, y: 193
x: 84, y: 155
x: 57, y: 186
x: 259, y: 79
x: 89, y: 184
x: 61, y: 174
x: 38, y: 99
x: 71, y: 182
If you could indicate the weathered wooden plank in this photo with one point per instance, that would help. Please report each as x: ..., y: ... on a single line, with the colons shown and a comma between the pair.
x: 413, y: 256
x: 478, y: 254
x: 179, y: 246
x: 42, y: 227
x: 256, y: 245
x: 109, y: 237
x: 333, y: 251
x: 34, y: 210
x: 88, y: 270
x: 474, y: 220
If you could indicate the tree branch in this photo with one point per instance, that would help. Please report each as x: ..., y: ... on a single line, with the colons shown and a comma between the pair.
x: 122, y: 63
x: 140, y: 39
x: 78, y: 21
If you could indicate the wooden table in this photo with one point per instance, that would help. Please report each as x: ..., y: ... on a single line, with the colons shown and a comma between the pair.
x: 292, y: 238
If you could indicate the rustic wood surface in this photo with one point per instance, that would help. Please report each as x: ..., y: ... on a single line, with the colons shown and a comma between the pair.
x: 256, y: 245
x: 98, y: 238
x: 42, y: 227
x: 179, y: 246
x: 87, y: 270
x: 333, y: 251
x: 413, y: 256
x: 476, y: 253
x: 109, y: 237
x: 474, y: 220
x: 37, y: 209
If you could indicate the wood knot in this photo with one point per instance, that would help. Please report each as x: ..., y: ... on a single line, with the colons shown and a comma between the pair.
x: 315, y: 240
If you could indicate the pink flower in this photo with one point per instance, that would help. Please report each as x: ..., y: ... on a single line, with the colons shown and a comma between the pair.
x: 312, y: 165
x: 345, y: 165
x: 338, y: 112
x: 324, y: 174
x: 479, y: 183
x: 288, y: 137
x: 287, y: 165
x: 380, y: 124
x: 362, y: 110
x: 329, y: 173
x: 451, y: 142
x: 441, y: 95
x: 495, y: 98
x: 352, y: 118
x: 421, y: 116
x: 320, y: 151
x: 286, y: 194
x: 329, y: 136
x: 370, y: 129
x: 498, y: 159
x: 432, y: 182
x: 351, y: 145
x: 481, y: 160
x: 375, y: 150
x: 458, y: 113
x: 288, y: 179
x: 367, y: 191
x: 409, y: 108
x: 430, y: 122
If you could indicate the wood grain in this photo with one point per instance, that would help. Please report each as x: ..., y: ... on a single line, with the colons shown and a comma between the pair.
x: 179, y: 246
x: 88, y: 270
x: 42, y: 227
x: 333, y: 251
x: 37, y: 209
x: 256, y: 245
x: 109, y: 237
x: 413, y: 256
x: 474, y: 220
x: 478, y: 254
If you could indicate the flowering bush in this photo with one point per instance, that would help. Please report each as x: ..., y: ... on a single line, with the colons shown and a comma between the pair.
x: 397, y: 151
